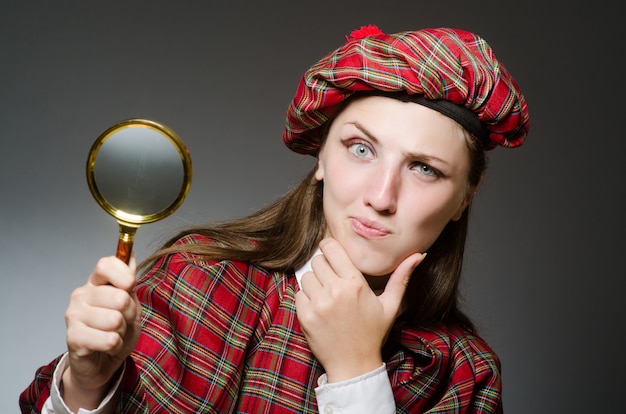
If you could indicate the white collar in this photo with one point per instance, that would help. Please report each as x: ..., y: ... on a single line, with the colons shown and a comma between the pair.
x: 307, y: 266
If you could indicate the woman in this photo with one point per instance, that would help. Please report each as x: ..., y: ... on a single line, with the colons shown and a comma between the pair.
x: 342, y: 295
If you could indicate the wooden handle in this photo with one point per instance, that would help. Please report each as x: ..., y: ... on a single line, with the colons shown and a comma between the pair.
x: 125, y: 242
x: 124, y: 250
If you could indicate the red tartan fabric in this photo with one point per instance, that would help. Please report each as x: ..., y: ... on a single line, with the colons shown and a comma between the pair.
x: 438, y: 63
x: 223, y: 337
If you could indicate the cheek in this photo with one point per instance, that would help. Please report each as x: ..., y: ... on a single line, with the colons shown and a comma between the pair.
x: 338, y: 192
x: 340, y: 183
x: 429, y: 214
x: 342, y: 191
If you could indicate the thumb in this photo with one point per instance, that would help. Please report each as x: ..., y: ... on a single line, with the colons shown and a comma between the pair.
x: 398, y: 282
x: 132, y: 263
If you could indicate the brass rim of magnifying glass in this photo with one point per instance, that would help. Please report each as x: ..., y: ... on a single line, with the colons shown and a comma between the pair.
x: 123, y: 217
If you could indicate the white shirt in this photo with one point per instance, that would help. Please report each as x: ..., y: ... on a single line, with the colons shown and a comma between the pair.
x: 368, y: 393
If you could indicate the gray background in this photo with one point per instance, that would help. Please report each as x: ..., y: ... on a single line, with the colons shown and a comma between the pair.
x: 544, y: 274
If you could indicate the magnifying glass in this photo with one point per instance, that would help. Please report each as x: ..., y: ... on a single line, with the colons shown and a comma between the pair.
x: 138, y: 171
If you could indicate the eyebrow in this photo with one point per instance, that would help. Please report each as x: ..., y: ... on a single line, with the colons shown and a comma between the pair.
x: 412, y: 155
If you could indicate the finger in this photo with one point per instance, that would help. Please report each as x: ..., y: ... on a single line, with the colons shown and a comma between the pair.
x: 322, y: 270
x: 114, y: 299
x: 133, y: 311
x: 127, y: 304
x: 337, y: 259
x: 112, y: 271
x: 107, y: 320
x: 85, y: 340
x: 398, y: 282
x: 132, y: 265
x: 105, y: 304
x: 104, y: 296
x: 302, y: 304
x: 94, y: 329
x: 310, y: 284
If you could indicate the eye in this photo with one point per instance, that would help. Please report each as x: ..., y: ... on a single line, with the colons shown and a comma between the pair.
x: 360, y: 150
x: 426, y: 170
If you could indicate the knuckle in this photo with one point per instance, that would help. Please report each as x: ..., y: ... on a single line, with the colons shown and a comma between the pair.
x: 77, y: 294
x: 325, y: 306
x: 119, y: 299
x: 71, y: 338
x: 111, y: 341
x: 318, y: 259
x: 102, y: 265
x: 72, y: 313
x: 116, y: 321
x: 308, y: 319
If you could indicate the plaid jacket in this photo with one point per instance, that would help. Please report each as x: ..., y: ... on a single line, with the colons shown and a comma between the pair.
x: 223, y: 337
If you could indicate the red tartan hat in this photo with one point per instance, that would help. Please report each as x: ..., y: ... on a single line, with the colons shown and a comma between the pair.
x: 438, y: 66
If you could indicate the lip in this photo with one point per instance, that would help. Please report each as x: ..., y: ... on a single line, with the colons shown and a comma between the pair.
x: 368, y: 229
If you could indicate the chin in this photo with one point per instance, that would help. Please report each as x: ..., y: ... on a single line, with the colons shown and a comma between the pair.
x: 371, y: 267
x: 369, y: 261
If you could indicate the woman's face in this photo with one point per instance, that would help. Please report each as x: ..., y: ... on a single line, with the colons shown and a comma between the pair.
x: 395, y: 173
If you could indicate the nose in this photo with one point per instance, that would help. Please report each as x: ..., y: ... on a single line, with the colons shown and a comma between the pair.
x: 383, y: 190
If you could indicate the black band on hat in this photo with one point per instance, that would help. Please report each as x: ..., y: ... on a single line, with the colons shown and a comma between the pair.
x: 462, y: 115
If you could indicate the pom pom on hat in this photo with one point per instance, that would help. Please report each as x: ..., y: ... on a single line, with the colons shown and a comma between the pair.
x: 364, y: 32
x: 435, y: 65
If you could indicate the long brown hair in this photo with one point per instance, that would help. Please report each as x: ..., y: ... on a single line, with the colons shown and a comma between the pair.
x: 283, y: 235
x: 279, y: 237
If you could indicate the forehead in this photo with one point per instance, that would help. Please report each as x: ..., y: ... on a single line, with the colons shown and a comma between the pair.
x: 388, y: 116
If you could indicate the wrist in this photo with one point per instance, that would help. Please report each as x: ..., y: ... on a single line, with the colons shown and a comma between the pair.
x: 78, y: 394
x: 343, y: 372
